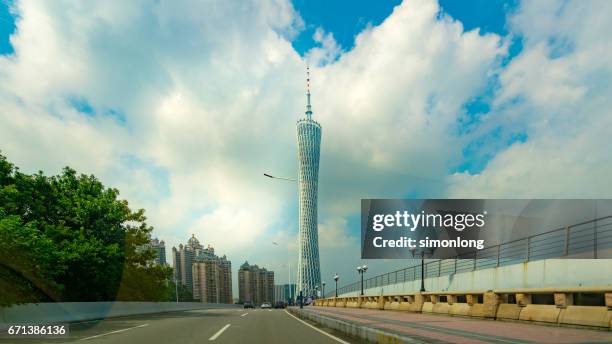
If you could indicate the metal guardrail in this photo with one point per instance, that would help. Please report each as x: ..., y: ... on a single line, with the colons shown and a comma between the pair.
x: 582, y: 240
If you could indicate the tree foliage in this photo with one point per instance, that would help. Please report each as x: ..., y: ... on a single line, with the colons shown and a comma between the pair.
x: 70, y: 238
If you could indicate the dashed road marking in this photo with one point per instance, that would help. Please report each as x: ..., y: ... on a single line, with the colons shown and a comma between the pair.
x: 219, y: 332
x: 113, y: 332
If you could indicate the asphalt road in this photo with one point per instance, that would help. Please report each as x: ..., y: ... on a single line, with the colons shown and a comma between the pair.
x: 199, y: 326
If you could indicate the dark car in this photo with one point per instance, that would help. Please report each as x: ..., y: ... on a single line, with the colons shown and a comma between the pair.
x: 248, y: 304
x: 279, y: 304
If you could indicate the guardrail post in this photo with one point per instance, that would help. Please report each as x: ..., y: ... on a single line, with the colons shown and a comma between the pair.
x: 527, y: 253
x: 469, y: 299
x: 567, y: 237
x: 498, y: 251
x: 419, y: 300
x: 595, y: 240
x: 491, y: 300
x: 523, y: 300
x: 562, y: 300
x: 381, y: 302
x: 434, y: 299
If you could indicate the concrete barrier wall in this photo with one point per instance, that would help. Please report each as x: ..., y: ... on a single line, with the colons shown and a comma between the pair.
x: 495, y: 304
x: 79, y: 311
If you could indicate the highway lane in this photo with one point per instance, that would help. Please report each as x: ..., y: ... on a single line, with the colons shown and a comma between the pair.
x: 199, y: 326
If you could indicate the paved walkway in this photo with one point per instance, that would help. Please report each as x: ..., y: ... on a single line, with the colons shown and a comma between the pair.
x: 433, y: 328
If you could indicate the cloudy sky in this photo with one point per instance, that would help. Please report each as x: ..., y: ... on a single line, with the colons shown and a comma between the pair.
x: 183, y: 105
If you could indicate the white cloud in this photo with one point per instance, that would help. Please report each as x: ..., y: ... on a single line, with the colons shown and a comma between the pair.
x: 557, y: 92
x: 389, y: 106
x: 334, y: 233
x: 327, y: 52
x: 210, y: 105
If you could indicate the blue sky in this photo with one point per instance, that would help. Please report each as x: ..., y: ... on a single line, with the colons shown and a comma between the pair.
x: 7, y: 27
x: 186, y: 121
x: 346, y: 19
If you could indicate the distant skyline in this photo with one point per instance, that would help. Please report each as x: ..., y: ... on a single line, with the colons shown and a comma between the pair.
x: 183, y: 107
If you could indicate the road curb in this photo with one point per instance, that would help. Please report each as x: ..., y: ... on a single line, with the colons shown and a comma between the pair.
x: 362, y: 332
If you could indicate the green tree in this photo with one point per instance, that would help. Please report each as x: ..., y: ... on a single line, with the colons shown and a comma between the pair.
x: 70, y: 238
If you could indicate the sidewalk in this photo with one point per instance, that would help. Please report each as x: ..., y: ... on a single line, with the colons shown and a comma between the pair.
x: 430, y: 328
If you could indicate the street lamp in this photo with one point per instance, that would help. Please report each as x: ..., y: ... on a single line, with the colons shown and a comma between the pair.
x: 336, y: 277
x: 275, y: 243
x: 281, y: 178
x: 289, y: 265
x: 413, y: 251
x: 323, y: 289
x: 361, y: 270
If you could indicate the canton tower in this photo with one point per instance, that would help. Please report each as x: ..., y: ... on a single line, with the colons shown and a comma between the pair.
x: 309, y: 144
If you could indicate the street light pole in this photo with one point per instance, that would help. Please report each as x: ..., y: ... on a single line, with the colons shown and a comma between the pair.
x: 362, y: 283
x: 422, y: 271
x: 323, y: 289
x: 361, y: 270
x: 290, y: 290
x: 336, y: 277
x: 175, y: 288
x: 413, y: 251
x: 289, y: 265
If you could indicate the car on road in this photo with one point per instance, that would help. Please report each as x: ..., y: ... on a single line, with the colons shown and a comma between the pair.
x: 248, y: 304
x: 280, y: 305
x: 266, y: 305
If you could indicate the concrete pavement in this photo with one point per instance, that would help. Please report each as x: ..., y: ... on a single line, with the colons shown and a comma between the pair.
x: 197, y: 326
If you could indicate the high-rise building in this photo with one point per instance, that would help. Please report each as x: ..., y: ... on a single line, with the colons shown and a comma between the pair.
x: 284, y: 292
x: 183, y: 261
x: 159, y: 247
x: 212, y: 279
x: 255, y: 284
x: 309, y: 144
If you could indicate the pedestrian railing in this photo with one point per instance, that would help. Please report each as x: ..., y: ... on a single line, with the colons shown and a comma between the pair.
x: 590, y: 239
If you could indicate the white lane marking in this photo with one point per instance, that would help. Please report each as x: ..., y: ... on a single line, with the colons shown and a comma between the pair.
x: 244, y: 314
x: 319, y: 330
x: 112, y: 332
x: 219, y: 332
x: 269, y: 310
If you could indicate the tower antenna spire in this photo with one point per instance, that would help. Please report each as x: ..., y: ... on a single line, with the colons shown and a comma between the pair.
x: 308, y: 106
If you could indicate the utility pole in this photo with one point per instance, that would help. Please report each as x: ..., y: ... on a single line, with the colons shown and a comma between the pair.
x: 175, y: 289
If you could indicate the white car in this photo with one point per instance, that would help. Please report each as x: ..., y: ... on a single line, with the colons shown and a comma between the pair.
x: 266, y: 305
